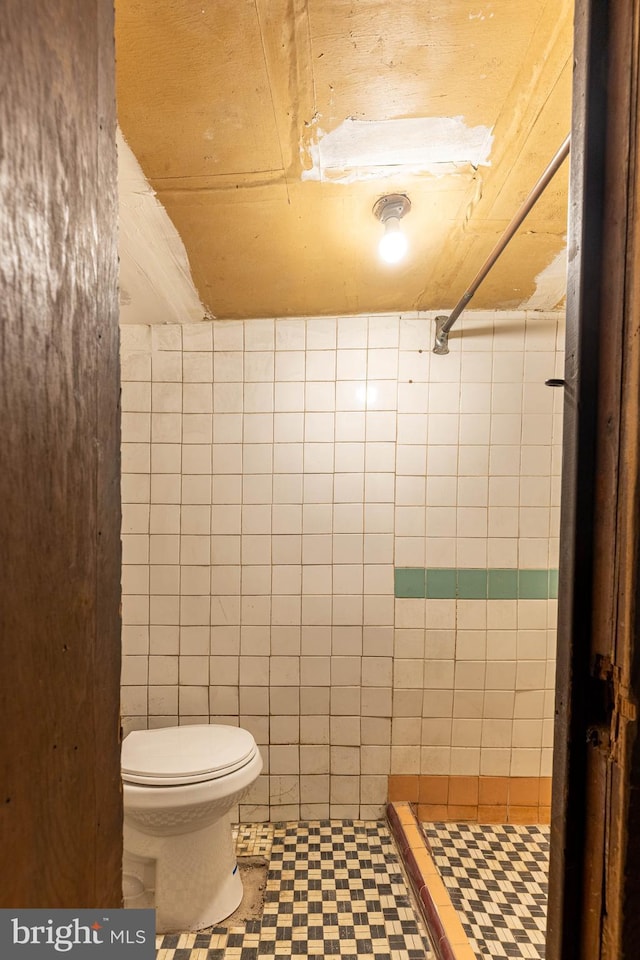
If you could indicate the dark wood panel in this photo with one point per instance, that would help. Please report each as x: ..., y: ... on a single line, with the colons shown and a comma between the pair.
x: 594, y: 885
x: 569, y: 815
x: 61, y: 808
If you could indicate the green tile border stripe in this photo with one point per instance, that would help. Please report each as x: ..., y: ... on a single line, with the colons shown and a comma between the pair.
x: 451, y: 583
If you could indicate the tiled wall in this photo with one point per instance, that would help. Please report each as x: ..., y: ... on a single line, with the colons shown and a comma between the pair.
x: 280, y: 479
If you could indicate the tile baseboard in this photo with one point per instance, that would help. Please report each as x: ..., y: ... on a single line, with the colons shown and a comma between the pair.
x: 520, y: 800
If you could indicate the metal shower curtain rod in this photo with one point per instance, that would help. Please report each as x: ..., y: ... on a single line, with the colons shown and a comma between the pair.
x: 444, y: 324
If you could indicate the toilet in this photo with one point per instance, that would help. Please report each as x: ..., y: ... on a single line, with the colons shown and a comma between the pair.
x: 179, y: 786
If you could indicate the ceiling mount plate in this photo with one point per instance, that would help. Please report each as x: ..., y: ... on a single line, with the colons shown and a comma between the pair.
x: 393, y: 205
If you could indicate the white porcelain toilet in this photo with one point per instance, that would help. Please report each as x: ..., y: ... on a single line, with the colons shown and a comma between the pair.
x: 179, y: 785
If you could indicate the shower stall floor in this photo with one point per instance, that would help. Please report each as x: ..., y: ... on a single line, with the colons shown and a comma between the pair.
x: 333, y: 889
x: 496, y: 877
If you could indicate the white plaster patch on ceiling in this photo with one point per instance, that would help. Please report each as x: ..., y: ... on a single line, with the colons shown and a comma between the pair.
x: 362, y: 149
x: 155, y: 277
x: 551, y: 285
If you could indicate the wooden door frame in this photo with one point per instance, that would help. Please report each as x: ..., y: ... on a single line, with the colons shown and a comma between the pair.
x: 594, y: 883
x: 61, y: 803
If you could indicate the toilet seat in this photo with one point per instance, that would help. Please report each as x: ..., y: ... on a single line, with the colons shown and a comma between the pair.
x: 171, y: 756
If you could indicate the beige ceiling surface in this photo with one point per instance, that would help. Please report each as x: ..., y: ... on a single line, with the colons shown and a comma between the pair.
x: 269, y: 128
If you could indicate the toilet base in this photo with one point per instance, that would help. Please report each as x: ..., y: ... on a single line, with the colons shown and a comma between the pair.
x: 192, y: 879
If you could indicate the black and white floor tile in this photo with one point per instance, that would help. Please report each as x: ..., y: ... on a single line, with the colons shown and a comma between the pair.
x: 253, y: 839
x: 496, y: 876
x: 334, y: 889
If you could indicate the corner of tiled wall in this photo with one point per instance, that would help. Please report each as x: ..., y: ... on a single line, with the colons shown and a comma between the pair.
x: 276, y: 475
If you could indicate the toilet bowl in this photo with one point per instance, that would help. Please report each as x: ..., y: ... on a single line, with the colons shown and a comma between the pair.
x: 179, y: 785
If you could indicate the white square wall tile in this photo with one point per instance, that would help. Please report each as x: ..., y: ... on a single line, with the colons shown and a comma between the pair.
x: 442, y: 460
x: 381, y: 395
x: 413, y: 430
x: 381, y: 425
x: 258, y: 397
x: 197, y: 398
x: 470, y: 552
x: 471, y: 521
x: 135, y: 397
x: 227, y: 427
x: 136, y: 457
x: 259, y: 334
x: 163, y: 670
x: 441, y: 491
x: 227, y: 397
x: 320, y: 365
x: 352, y: 332
x: 379, y: 456
x: 228, y: 335
x: 164, y: 518
x: 288, y: 397
x: 495, y: 762
x: 257, y: 458
x: 166, y: 337
x: 349, y: 488
x: 321, y: 333
x: 135, y: 366
x: 288, y: 457
x: 286, y: 611
x: 506, y: 398
x: 472, y: 492
x: 351, y: 364
x: 259, y: 366
x: 410, y: 551
x: 286, y: 579
x: 197, y: 336
x: 290, y: 334
x: 166, y: 397
x: 384, y: 331
x: 166, y: 366
x: 350, y: 395
x: 196, y: 489
x: 289, y: 366
x: 411, y: 460
x: 193, y: 702
x: 440, y: 522
x: 288, y: 427
x: 135, y: 518
x: 135, y: 336
x: 443, y: 552
x: 379, y: 487
x: 410, y: 491
x: 475, y: 397
x: 408, y: 520
x: 196, y: 428
x: 382, y: 363
x: 164, y: 579
x: 196, y: 458
x: 319, y: 427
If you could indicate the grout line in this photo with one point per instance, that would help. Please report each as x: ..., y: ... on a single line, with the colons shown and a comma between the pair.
x: 446, y: 934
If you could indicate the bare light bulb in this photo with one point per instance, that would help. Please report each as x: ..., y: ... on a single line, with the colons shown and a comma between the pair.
x: 393, y: 244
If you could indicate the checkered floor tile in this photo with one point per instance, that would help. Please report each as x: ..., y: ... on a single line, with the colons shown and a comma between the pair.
x: 334, y: 889
x: 253, y: 839
x: 496, y: 876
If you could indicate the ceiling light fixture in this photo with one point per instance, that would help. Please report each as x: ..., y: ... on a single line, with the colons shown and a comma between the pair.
x: 389, y: 211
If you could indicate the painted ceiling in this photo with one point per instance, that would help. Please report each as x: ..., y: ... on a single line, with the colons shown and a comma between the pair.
x: 268, y: 129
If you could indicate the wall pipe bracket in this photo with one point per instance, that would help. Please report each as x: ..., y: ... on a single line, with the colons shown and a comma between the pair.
x: 441, y: 345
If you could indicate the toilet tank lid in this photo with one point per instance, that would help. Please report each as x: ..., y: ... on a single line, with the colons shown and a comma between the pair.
x: 185, y: 754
